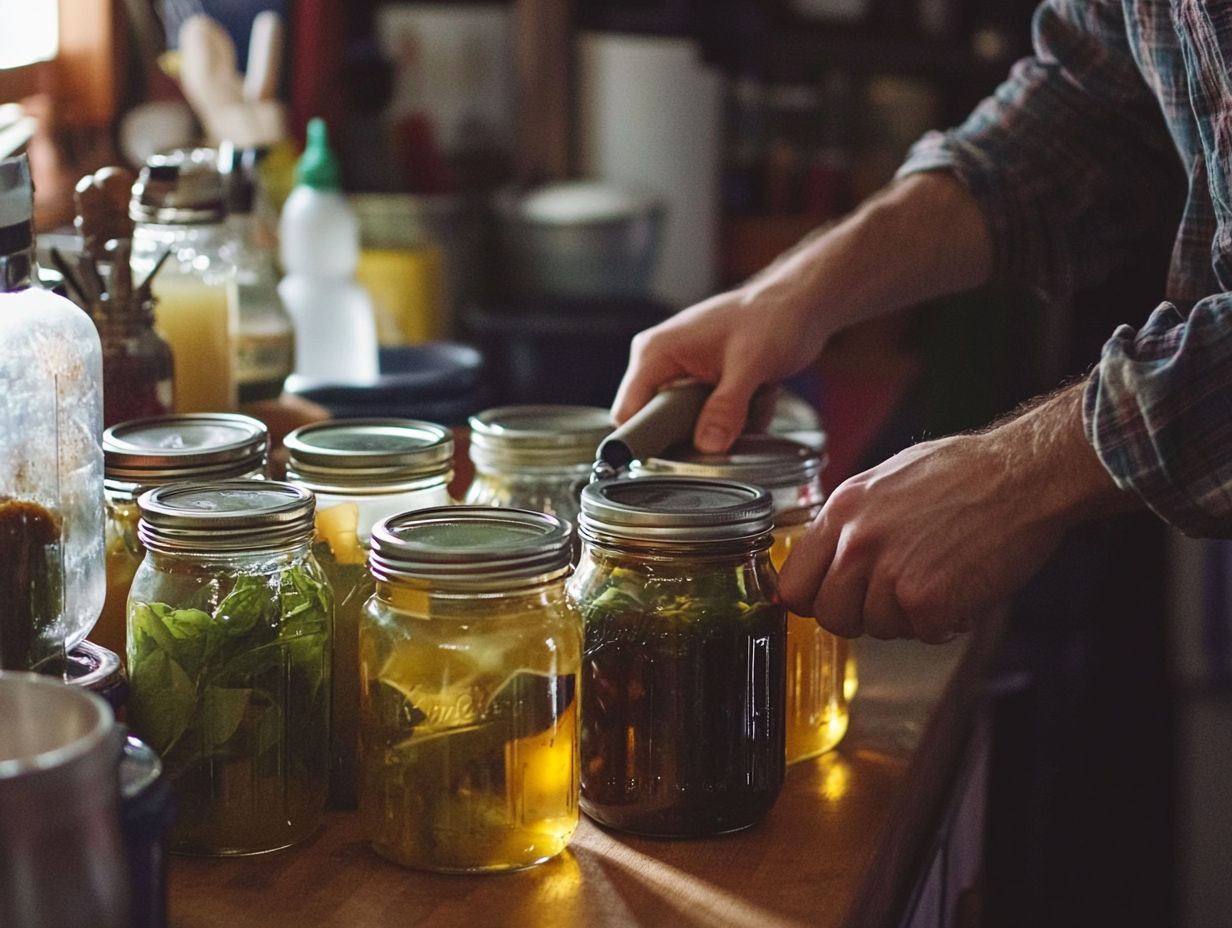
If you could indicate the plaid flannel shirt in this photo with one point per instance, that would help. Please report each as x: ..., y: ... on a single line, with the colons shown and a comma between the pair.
x: 1066, y: 159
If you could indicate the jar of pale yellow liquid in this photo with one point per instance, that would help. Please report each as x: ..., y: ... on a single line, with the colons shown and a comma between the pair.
x: 535, y: 457
x: 470, y: 657
x: 146, y: 453
x: 362, y: 471
x: 819, y: 664
x: 179, y: 205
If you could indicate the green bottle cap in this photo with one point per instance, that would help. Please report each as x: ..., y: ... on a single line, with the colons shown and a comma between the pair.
x: 317, y: 167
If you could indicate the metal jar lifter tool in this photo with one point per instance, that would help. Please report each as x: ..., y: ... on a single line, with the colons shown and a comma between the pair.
x: 666, y: 420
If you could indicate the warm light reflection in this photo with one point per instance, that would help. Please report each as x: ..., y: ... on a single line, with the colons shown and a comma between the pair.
x: 835, y: 777
x: 558, y: 884
x: 31, y: 32
x: 698, y: 901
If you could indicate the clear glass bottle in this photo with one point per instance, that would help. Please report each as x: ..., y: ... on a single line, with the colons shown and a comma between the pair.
x: 228, y: 656
x: 51, y: 461
x: 178, y: 204
x: 265, y: 341
x: 362, y: 471
x: 147, y: 453
x: 535, y: 457
x: 817, y: 710
x: 469, y: 662
x: 683, y: 717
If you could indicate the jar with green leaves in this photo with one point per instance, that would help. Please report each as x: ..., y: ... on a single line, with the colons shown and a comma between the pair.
x: 469, y: 663
x: 819, y: 664
x: 361, y: 471
x: 229, y: 620
x: 146, y: 453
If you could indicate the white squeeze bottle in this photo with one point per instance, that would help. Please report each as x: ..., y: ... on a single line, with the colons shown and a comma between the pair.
x: 335, y: 328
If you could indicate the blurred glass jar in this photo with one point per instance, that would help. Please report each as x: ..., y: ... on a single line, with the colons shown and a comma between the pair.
x: 265, y: 339
x: 179, y: 204
x: 683, y: 698
x: 138, y: 368
x: 817, y: 710
x: 228, y: 654
x: 361, y: 471
x: 152, y: 452
x: 469, y: 657
x: 535, y: 457
x: 51, y: 462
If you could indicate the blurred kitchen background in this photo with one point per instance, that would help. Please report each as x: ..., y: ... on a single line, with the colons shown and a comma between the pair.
x: 537, y: 180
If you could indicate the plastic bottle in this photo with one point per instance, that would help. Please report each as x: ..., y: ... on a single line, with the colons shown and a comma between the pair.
x: 335, y: 328
x: 51, y: 458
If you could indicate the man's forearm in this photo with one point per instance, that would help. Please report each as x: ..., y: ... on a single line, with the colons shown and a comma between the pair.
x: 920, y: 238
x: 1047, y: 454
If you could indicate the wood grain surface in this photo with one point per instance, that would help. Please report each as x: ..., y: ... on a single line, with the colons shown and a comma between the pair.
x: 839, y: 848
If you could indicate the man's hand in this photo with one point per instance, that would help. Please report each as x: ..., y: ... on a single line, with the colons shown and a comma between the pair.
x: 920, y: 545
x: 737, y: 341
x: 887, y: 255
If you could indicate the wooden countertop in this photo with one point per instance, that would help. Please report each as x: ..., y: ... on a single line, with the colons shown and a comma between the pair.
x: 840, y: 848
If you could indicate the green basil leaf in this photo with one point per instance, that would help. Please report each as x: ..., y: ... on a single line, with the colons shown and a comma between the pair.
x: 222, y: 711
x: 162, y: 700
x: 250, y: 602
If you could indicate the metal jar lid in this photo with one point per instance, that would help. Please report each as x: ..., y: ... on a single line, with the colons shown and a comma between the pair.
x: 790, y: 471
x: 196, y: 446
x: 181, y: 187
x: 98, y: 670
x: 674, y: 510
x: 469, y: 546
x: 518, y: 437
x: 227, y: 516
x: 370, y: 455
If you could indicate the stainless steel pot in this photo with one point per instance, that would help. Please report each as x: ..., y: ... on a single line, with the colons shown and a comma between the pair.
x: 575, y: 253
x: 62, y: 856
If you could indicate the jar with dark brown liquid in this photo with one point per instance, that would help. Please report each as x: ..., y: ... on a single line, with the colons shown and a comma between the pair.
x: 818, y: 663
x: 684, y: 666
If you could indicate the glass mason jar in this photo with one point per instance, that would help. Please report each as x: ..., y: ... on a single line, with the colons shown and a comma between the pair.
x: 228, y: 657
x: 535, y: 457
x: 148, y: 453
x: 817, y: 710
x: 469, y: 660
x: 178, y: 205
x: 362, y: 471
x: 685, y: 649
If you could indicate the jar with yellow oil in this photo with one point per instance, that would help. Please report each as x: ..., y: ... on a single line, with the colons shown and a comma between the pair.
x: 469, y: 663
x: 179, y: 206
x: 362, y: 471
x: 147, y: 453
x: 820, y: 668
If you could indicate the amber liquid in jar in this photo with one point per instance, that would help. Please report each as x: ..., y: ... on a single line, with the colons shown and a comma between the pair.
x: 468, y: 729
x: 30, y: 585
x: 817, y: 661
x: 682, y: 695
x: 124, y: 554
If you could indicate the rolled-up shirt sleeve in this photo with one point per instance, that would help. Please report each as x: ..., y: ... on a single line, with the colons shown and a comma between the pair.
x: 1158, y: 411
x: 1067, y: 155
